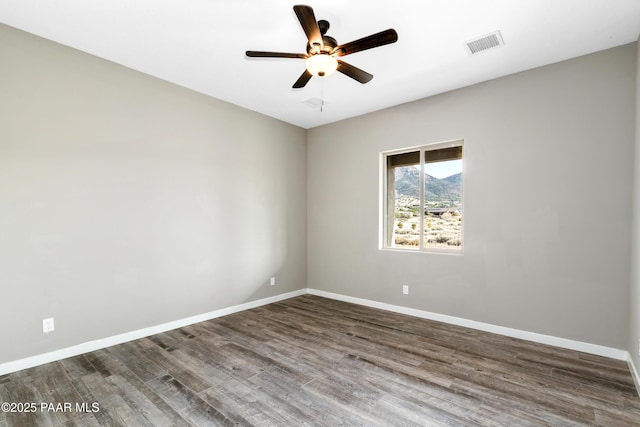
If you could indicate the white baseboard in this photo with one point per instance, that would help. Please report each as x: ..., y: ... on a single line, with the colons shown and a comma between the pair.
x: 41, y: 359
x: 599, y: 350
x: 29, y: 362
x: 634, y: 374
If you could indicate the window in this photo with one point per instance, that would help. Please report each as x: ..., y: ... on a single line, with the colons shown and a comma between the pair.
x: 422, y: 202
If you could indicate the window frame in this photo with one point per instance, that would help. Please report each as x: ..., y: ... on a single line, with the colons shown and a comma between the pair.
x: 385, y: 235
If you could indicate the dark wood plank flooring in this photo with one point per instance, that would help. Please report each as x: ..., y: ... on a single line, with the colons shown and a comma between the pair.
x: 314, y: 361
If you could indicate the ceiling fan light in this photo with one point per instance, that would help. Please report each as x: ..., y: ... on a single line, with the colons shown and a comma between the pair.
x: 321, y: 65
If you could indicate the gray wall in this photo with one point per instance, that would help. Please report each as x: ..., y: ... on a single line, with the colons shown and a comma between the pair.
x: 547, y: 201
x: 634, y: 300
x: 127, y: 202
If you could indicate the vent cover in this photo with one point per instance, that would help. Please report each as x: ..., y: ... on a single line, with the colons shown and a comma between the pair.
x: 315, y: 102
x: 484, y: 43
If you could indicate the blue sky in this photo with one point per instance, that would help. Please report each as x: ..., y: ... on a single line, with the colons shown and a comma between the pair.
x: 443, y: 169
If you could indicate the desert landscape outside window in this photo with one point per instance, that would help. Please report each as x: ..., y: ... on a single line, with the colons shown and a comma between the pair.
x: 423, y: 206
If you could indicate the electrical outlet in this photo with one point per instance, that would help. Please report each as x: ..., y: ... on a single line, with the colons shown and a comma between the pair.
x: 47, y: 325
x: 405, y: 289
x: 273, y: 281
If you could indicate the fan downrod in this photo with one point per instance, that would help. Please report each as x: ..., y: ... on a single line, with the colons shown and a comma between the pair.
x: 323, y: 26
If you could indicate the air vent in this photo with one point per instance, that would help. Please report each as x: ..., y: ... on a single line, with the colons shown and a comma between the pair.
x: 486, y: 42
x: 315, y: 102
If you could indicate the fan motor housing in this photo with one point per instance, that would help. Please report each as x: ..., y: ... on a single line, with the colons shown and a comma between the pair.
x: 328, y: 45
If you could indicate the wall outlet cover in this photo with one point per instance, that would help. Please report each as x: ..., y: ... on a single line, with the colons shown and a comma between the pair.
x: 48, y: 325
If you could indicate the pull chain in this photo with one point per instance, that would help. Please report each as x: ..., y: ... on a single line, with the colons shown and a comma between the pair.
x: 321, y: 95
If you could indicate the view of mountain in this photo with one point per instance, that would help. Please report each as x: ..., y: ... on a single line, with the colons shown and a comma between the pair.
x: 408, y: 184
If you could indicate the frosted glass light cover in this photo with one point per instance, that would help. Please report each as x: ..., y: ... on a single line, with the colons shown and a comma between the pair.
x: 321, y: 64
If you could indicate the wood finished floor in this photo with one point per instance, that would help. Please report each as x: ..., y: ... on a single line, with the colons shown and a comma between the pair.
x: 315, y: 361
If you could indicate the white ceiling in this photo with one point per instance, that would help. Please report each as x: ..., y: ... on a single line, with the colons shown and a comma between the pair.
x: 200, y: 44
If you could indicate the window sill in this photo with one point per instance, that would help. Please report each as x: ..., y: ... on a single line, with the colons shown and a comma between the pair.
x: 425, y: 251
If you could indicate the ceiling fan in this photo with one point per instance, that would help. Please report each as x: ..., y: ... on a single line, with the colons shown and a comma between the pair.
x: 323, y: 51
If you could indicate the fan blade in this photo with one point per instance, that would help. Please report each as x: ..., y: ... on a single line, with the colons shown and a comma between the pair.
x: 369, y: 42
x: 354, y: 72
x: 303, y: 80
x: 258, y: 54
x: 309, y: 24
